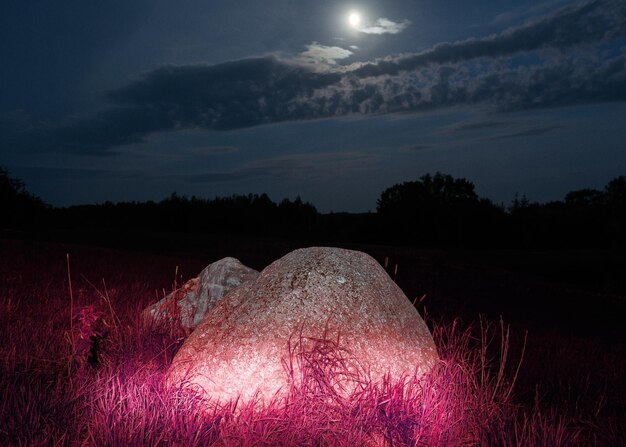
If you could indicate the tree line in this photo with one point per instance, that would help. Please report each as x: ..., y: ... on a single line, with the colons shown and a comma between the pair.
x: 433, y: 211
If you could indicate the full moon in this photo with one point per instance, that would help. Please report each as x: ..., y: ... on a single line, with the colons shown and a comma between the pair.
x: 354, y: 18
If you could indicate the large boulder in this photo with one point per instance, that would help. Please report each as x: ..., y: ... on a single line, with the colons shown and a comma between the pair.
x: 327, y: 312
x: 190, y: 303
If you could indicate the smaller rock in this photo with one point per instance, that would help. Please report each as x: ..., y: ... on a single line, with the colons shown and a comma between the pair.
x: 196, y: 297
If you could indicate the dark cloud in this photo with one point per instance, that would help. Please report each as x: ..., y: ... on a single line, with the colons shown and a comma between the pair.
x: 228, y: 176
x: 232, y: 95
x: 226, y: 96
x: 299, y: 166
x: 214, y: 150
x: 528, y: 11
x: 42, y: 172
x: 417, y: 148
x: 469, y: 127
x: 574, y: 56
x: 533, y: 132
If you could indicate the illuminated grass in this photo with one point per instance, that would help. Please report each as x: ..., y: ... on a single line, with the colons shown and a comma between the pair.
x: 51, y: 395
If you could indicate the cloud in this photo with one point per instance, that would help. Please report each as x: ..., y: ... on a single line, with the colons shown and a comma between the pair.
x: 317, y: 54
x: 574, y: 56
x: 231, y: 95
x: 417, y: 148
x: 384, y: 26
x: 44, y: 172
x: 595, y: 21
x: 213, y: 150
x: 297, y: 165
x: 526, y: 12
x: 532, y: 132
x: 469, y: 127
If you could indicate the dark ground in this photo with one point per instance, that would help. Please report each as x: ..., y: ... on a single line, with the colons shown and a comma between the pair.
x: 577, y: 291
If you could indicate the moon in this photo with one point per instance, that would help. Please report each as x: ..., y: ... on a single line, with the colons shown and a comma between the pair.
x: 354, y: 18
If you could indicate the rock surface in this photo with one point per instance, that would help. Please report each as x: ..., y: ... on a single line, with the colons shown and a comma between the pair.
x: 191, y: 302
x: 328, y: 308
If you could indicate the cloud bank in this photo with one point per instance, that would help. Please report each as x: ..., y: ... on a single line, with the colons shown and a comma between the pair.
x: 574, y: 56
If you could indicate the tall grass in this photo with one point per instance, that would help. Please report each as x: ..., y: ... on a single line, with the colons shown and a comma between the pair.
x: 52, y: 394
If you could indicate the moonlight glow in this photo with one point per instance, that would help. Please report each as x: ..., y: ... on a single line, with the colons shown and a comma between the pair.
x: 354, y: 18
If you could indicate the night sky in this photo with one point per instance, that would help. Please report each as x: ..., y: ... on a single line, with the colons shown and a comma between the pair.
x: 329, y: 100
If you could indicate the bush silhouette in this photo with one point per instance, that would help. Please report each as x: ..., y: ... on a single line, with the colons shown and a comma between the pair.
x: 19, y: 207
x: 436, y: 210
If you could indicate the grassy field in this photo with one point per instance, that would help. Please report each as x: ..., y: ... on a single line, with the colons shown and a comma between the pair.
x: 80, y: 367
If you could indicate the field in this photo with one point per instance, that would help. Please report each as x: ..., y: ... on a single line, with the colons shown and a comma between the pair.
x: 80, y: 367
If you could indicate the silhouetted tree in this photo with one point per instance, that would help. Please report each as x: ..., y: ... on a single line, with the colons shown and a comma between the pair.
x: 585, y: 218
x: 436, y: 209
x: 429, y: 190
x: 584, y: 198
x: 19, y: 207
x: 519, y: 203
x: 615, y: 196
x: 615, y: 203
x: 297, y: 217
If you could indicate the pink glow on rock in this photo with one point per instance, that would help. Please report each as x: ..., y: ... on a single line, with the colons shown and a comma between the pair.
x: 327, y: 308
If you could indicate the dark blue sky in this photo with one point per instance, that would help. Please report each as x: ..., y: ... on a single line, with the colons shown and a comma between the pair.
x: 124, y: 100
